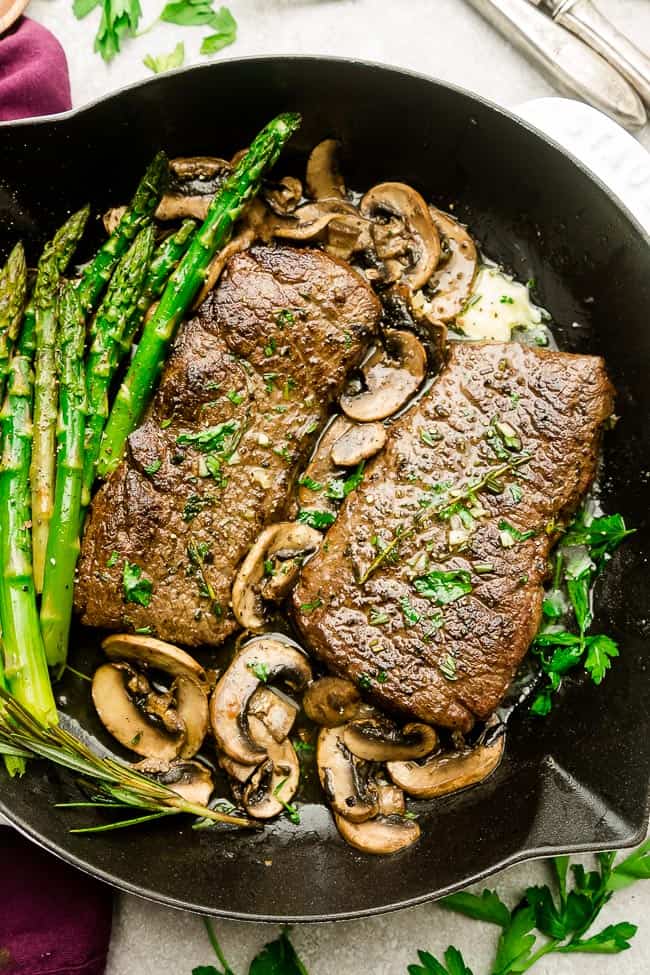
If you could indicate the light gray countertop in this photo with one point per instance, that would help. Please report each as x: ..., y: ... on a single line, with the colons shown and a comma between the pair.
x: 447, y: 39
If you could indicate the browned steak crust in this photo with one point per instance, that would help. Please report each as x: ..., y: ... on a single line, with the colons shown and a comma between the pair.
x: 269, y: 349
x: 557, y: 404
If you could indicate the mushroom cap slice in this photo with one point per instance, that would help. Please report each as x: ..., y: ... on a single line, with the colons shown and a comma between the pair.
x: 418, y: 242
x: 147, y: 651
x: 345, y: 779
x: 283, y: 195
x: 381, y: 741
x: 275, y: 781
x: 331, y: 701
x: 274, y: 660
x: 321, y: 467
x: 191, y: 780
x: 193, y: 181
x: 448, y: 771
x: 287, y: 539
x: 192, y: 707
x: 380, y: 836
x: 359, y: 442
x: 310, y: 220
x: 276, y: 712
x: 235, y: 771
x: 391, y: 800
x: 323, y: 176
x: 392, y: 376
x: 451, y: 283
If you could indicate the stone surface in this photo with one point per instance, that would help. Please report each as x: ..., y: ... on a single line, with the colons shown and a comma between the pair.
x: 438, y: 37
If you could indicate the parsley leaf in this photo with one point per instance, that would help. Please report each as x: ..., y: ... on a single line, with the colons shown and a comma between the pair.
x: 217, y: 438
x: 119, y: 19
x: 165, y: 62
x: 225, y: 27
x: 81, y: 8
x: 454, y: 964
x: 339, y: 489
x: 444, y: 587
x: 188, y: 13
x: 261, y: 670
x: 609, y: 941
x: 278, y: 958
x: 488, y: 907
x: 137, y: 589
x: 601, y: 650
x: 411, y: 616
x: 316, y: 519
x: 310, y: 483
x: 515, y: 943
x: 633, y: 868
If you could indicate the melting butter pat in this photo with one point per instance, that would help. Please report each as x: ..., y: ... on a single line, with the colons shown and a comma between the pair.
x: 496, y: 307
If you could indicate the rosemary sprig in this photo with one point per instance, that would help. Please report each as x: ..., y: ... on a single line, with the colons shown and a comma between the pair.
x: 463, y: 493
x: 115, y: 783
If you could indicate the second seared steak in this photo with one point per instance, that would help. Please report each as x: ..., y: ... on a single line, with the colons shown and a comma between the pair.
x: 439, y: 628
x: 240, y: 403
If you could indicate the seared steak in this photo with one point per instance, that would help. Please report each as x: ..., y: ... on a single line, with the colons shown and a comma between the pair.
x: 445, y: 647
x: 245, y: 391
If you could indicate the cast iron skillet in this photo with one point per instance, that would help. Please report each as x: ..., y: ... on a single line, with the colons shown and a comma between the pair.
x: 577, y: 780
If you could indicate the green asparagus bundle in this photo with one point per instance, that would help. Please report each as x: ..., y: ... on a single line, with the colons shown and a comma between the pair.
x: 164, y: 261
x: 13, y: 291
x: 63, y: 539
x: 26, y: 670
x: 184, y: 284
x: 116, y: 311
x: 137, y: 215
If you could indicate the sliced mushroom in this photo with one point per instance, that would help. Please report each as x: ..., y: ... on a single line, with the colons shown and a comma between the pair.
x: 321, y: 468
x: 238, y: 773
x: 383, y: 835
x: 112, y: 217
x: 284, y: 545
x: 163, y: 726
x: 346, y: 781
x: 391, y: 800
x: 392, y: 375
x: 264, y: 660
x: 382, y: 741
x: 146, y: 651
x: 324, y: 180
x: 450, y: 285
x: 331, y: 701
x: 275, y: 781
x: 447, y: 772
x: 191, y: 780
x: 284, y: 196
x: 311, y: 219
x: 276, y: 712
x: 360, y: 442
x: 192, y: 184
x: 404, y: 234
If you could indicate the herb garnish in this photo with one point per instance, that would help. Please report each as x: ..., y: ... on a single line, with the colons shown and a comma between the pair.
x: 509, y: 535
x: 165, y: 62
x: 153, y: 467
x: 411, y: 616
x: 444, y: 587
x: 339, y: 489
x: 198, y: 553
x: 261, y: 670
x: 310, y: 607
x: 377, y: 618
x: 211, y: 439
x: 290, y: 809
x: 310, y: 483
x: 112, y: 559
x: 137, y: 588
x: 316, y: 519
x: 195, y: 504
x: 431, y: 437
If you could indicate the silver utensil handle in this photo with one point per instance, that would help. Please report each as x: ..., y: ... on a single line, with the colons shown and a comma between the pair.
x: 586, y: 21
x: 569, y: 63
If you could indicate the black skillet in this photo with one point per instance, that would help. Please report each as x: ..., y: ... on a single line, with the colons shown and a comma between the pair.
x: 577, y: 780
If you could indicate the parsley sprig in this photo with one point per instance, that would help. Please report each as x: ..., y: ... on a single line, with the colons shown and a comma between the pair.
x: 585, y: 549
x: 554, y: 918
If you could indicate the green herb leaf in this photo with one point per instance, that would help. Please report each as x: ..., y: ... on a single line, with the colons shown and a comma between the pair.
x: 165, y: 62
x: 431, y: 437
x: 515, y: 943
x: 225, y: 33
x: 411, y: 617
x: 316, y: 519
x: 119, y: 19
x: 137, y: 588
x: 548, y: 919
x: 113, y: 559
x: 444, y: 587
x: 310, y: 483
x: 278, y: 958
x: 633, y: 868
x: 486, y: 907
x: 188, y: 13
x: 234, y: 397
x: 610, y: 941
x: 601, y: 650
x: 509, y: 535
x: 339, y: 489
x: 454, y: 964
x: 310, y: 607
x: 260, y: 669
x: 217, y: 438
x: 81, y: 8
x: 153, y: 467
x: 601, y: 535
x: 377, y: 618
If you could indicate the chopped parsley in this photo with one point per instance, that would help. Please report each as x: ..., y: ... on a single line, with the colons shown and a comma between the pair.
x: 199, y: 553
x: 338, y: 489
x: 153, y: 467
x: 195, y: 504
x: 509, y: 535
x: 235, y: 397
x: 137, y: 588
x: 444, y: 586
x: 310, y: 483
x: 507, y: 300
x: 113, y: 559
x: 381, y: 676
x: 411, y: 616
x: 377, y: 618
x: 261, y: 670
x: 310, y: 607
x: 165, y: 423
x: 516, y: 493
x: 448, y: 667
x: 430, y: 437
x: 270, y: 348
x: 290, y: 809
x: 284, y: 317
x: 320, y: 520
x: 364, y: 681
x: 217, y: 438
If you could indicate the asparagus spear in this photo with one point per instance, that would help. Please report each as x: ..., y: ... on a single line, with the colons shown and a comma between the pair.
x: 164, y: 261
x: 137, y: 215
x: 13, y: 291
x: 25, y: 665
x: 182, y: 287
x: 115, y: 312
x: 63, y: 539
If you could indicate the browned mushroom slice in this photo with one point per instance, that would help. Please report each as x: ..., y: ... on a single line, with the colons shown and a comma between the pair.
x: 331, y: 701
x: 404, y: 234
x: 392, y: 375
x: 450, y: 285
x: 309, y: 220
x: 260, y: 661
x: 112, y: 217
x: 238, y: 773
x: 163, y: 726
x: 191, y: 780
x: 146, y: 651
x: 447, y: 771
x: 321, y: 468
x: 284, y: 196
x: 192, y: 184
x: 276, y: 712
x: 274, y: 782
x: 381, y: 741
x: 323, y: 177
x: 380, y: 836
x: 391, y: 800
x: 345, y: 780
x: 361, y: 441
x: 283, y: 546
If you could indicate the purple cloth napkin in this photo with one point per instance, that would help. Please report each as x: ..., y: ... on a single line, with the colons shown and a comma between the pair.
x: 53, y: 919
x: 33, y: 72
